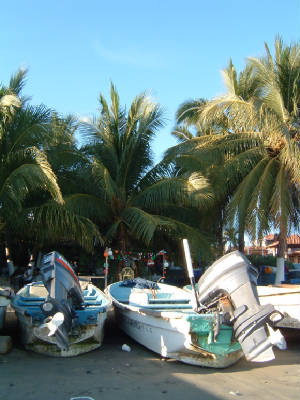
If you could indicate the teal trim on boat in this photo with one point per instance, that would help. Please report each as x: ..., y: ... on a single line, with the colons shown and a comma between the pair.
x: 202, y: 332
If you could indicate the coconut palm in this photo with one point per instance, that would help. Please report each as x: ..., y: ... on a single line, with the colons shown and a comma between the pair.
x: 275, y: 113
x: 261, y: 150
x: 23, y: 166
x: 51, y: 222
x: 37, y: 148
x: 258, y: 157
x: 201, y: 117
x: 132, y: 200
x: 280, y: 79
x: 205, y: 119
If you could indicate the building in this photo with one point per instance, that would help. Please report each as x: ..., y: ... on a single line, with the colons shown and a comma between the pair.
x: 270, y: 245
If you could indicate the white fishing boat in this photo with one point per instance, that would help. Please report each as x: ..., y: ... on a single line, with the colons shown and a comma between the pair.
x: 161, y: 318
x: 61, y: 316
x: 286, y: 299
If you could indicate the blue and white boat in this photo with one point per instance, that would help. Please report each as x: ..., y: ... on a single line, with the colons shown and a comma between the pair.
x: 61, y: 315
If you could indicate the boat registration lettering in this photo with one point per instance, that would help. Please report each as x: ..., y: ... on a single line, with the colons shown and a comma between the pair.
x: 137, y: 325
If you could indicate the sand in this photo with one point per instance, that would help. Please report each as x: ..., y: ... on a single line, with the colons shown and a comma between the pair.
x: 110, y: 373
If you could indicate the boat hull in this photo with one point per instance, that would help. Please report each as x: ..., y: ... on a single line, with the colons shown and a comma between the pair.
x: 86, y: 338
x: 176, y: 331
x: 286, y: 299
x: 3, y: 305
x: 4, y: 302
x: 170, y: 336
x: 86, y: 334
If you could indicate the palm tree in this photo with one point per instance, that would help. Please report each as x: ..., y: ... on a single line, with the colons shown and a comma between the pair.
x: 124, y: 194
x: 23, y: 166
x: 38, y: 155
x: 258, y: 156
x: 191, y: 124
x: 279, y: 77
x: 261, y: 150
x: 53, y: 223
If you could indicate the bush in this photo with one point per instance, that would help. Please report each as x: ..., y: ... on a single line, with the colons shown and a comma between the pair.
x: 259, y: 261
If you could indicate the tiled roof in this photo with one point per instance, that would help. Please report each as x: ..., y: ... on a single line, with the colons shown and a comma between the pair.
x: 272, y: 236
x: 294, y: 239
x: 274, y: 244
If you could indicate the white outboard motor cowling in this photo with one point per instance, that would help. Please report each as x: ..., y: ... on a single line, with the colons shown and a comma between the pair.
x: 234, y: 276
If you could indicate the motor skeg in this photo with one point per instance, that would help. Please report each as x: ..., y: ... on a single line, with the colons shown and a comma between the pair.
x: 65, y: 295
x: 235, y: 277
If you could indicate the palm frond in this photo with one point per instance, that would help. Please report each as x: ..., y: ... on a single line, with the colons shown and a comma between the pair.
x: 282, y: 205
x: 55, y: 221
x: 25, y: 171
x: 29, y: 125
x: 182, y: 133
x: 189, y: 111
x: 193, y: 191
x: 290, y: 157
x: 88, y: 206
x: 241, y: 199
x: 141, y: 224
x: 112, y: 231
x: 17, y: 81
x: 104, y: 181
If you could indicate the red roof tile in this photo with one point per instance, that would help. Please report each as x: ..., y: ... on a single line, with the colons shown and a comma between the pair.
x: 294, y: 239
x: 272, y: 236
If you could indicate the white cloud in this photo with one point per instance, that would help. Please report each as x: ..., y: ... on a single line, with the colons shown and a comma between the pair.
x: 129, y: 56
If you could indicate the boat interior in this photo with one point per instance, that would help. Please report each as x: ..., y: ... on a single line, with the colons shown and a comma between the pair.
x: 36, y: 293
x: 151, y: 298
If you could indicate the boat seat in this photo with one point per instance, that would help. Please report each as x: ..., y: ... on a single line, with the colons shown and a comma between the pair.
x: 147, y: 301
x: 160, y: 306
x: 167, y: 298
x: 169, y: 301
x: 138, y: 298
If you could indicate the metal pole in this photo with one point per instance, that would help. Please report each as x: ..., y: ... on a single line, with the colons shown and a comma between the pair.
x: 106, y: 272
x: 190, y: 270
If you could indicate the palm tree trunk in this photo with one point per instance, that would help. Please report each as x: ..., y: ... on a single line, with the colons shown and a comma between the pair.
x: 280, y: 273
x: 122, y: 239
x: 3, y: 261
x: 241, y: 238
x: 219, y: 231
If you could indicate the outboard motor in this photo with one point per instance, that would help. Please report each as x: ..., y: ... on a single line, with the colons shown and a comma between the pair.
x: 234, y: 277
x: 64, y: 297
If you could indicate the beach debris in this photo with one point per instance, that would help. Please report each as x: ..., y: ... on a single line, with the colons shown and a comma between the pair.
x: 235, y: 393
x: 82, y: 398
x: 125, y: 347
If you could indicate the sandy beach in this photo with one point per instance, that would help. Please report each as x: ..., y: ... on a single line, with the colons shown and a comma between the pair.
x: 110, y: 373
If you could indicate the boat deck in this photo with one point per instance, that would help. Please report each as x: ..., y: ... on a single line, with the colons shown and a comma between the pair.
x: 152, y: 299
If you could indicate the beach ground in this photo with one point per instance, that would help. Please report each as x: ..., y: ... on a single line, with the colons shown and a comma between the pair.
x: 110, y: 373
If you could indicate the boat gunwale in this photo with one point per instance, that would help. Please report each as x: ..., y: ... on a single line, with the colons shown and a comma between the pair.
x: 155, y: 310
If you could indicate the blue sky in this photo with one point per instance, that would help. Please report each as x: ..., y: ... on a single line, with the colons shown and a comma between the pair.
x: 172, y: 49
